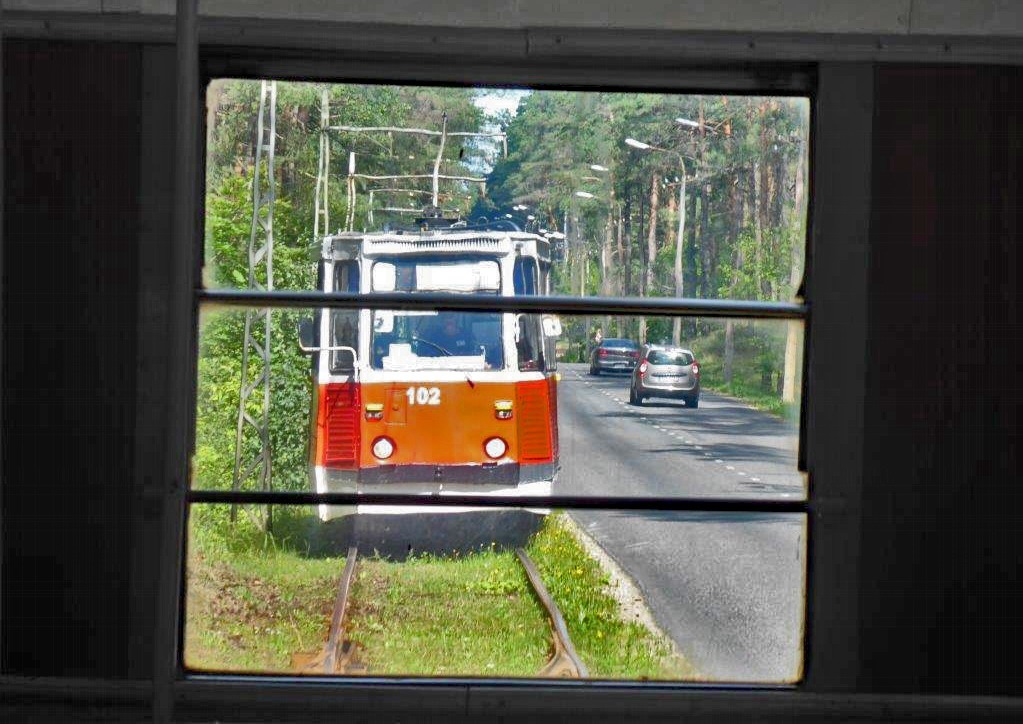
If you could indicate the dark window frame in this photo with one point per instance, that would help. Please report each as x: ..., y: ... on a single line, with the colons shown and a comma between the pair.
x: 843, y: 87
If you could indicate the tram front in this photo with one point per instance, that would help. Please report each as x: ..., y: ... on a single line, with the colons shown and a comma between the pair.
x: 435, y: 402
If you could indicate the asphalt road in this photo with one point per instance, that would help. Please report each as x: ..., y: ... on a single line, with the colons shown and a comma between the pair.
x: 728, y: 588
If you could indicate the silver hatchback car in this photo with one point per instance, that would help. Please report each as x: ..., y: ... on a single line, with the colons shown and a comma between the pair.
x: 663, y: 371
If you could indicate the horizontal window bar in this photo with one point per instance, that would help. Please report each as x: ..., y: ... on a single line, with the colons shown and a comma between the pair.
x: 634, y: 306
x: 381, y: 685
x: 693, y: 504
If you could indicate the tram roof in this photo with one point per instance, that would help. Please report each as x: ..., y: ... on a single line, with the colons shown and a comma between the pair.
x: 352, y: 244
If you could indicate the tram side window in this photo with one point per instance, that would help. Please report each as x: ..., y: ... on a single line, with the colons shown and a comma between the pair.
x: 525, y: 276
x: 530, y: 342
x: 344, y: 322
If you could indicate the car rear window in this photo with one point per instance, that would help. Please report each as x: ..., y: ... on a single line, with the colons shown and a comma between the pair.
x: 620, y: 343
x: 669, y: 357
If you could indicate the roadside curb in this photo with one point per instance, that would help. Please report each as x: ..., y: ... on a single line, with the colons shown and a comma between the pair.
x: 625, y: 590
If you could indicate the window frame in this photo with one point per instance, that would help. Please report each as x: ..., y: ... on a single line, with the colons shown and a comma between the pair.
x: 831, y: 518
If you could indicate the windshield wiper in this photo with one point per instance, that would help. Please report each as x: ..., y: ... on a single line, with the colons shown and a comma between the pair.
x: 446, y: 352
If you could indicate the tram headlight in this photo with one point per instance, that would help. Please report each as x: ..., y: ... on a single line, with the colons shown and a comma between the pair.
x: 495, y: 448
x: 383, y: 448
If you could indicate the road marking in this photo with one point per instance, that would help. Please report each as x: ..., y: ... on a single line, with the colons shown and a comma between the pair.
x: 719, y: 460
x: 741, y: 473
x: 640, y: 544
x: 690, y: 442
x: 755, y: 480
x: 728, y: 467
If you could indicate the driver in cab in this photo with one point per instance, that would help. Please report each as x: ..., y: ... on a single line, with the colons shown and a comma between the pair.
x: 448, y: 338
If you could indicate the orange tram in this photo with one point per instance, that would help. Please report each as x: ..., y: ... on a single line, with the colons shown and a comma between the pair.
x: 433, y: 402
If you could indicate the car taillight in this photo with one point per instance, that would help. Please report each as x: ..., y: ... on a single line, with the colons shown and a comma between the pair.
x: 696, y: 368
x: 602, y: 353
x: 642, y: 369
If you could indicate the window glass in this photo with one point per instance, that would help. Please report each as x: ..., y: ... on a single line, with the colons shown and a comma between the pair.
x: 486, y: 193
x: 344, y: 322
x: 437, y: 340
x: 724, y: 431
x: 644, y: 595
x: 530, y: 342
x: 669, y: 357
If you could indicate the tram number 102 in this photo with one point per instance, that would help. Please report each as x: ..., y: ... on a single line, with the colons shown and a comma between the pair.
x: 423, y: 395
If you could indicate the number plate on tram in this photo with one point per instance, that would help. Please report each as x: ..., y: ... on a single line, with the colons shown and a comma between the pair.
x: 423, y: 395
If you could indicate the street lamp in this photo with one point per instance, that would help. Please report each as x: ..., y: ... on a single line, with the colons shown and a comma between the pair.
x: 696, y: 125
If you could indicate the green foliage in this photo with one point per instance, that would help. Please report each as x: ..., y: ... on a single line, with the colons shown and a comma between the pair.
x: 610, y: 646
x: 234, y: 105
x: 743, y: 217
x: 251, y: 607
x: 229, y: 210
x: 758, y: 356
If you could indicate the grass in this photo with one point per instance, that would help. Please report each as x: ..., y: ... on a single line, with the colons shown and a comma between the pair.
x: 756, y: 364
x: 251, y: 608
x: 467, y: 616
x: 251, y: 612
x: 610, y: 646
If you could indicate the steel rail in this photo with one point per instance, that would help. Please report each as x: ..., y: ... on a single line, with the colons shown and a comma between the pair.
x: 569, y: 502
x: 333, y: 645
x: 431, y: 301
x: 565, y: 663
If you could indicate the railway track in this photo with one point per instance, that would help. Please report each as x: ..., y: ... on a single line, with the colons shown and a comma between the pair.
x: 336, y: 655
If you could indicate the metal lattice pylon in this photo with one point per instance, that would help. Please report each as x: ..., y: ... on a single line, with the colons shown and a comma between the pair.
x: 254, y: 400
x: 321, y: 217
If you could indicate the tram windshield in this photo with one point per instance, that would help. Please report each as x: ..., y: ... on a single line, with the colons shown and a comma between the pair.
x: 437, y: 340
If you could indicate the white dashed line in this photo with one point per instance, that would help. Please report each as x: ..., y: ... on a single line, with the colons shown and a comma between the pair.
x: 742, y: 473
x: 719, y: 460
x: 728, y: 467
x: 755, y: 480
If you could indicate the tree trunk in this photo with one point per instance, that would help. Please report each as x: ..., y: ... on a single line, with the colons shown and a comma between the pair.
x: 739, y: 220
x: 708, y: 246
x: 641, y: 251
x: 622, y: 290
x: 790, y: 370
x: 606, y: 250
x: 676, y: 325
x: 626, y: 222
x: 650, y: 258
x: 729, y: 350
x: 758, y: 232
